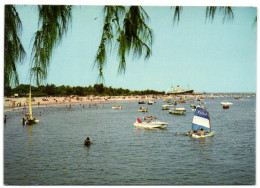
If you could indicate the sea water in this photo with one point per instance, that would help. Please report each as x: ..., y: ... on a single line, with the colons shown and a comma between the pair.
x: 53, y: 152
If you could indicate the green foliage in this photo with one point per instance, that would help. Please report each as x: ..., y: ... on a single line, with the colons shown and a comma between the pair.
x: 130, y: 32
x: 226, y: 11
x: 52, y: 90
x: 177, y: 13
x: 13, y: 48
x: 53, y: 22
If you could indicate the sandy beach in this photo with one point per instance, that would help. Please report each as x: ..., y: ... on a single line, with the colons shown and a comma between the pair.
x: 43, y: 101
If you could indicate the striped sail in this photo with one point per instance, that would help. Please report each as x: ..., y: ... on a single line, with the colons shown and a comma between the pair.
x: 201, y: 119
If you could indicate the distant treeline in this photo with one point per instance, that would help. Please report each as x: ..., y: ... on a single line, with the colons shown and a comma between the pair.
x: 52, y: 90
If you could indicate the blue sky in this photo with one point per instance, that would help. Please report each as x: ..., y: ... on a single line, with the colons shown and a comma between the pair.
x: 195, y: 54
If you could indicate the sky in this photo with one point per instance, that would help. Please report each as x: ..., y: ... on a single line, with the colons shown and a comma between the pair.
x: 195, y: 53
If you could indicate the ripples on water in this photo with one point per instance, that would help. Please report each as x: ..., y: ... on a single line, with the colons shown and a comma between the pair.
x: 52, y: 153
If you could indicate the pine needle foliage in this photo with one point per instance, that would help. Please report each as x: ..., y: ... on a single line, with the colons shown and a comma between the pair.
x: 112, y: 16
x: 177, y: 13
x: 227, y: 13
x: 13, y: 48
x: 53, y: 24
x: 126, y: 26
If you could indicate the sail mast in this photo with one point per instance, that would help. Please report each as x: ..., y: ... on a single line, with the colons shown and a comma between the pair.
x: 30, y: 104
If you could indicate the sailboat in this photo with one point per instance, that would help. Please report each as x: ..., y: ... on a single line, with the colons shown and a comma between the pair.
x: 201, y: 121
x: 31, y: 120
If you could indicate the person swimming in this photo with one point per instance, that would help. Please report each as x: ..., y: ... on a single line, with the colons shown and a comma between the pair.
x: 87, y: 142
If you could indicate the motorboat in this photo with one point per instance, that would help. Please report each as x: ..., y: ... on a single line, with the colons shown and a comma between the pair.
x: 150, y: 102
x: 150, y: 124
x: 226, y: 104
x: 177, y: 111
x: 167, y: 106
x: 117, y: 107
x: 180, y: 101
x: 141, y: 102
x: 142, y: 109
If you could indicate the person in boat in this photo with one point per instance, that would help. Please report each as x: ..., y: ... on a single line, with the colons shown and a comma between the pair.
x: 202, y: 133
x: 195, y: 132
x: 87, y: 142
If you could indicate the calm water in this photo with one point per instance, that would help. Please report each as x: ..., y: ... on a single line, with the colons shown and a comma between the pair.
x: 53, y: 153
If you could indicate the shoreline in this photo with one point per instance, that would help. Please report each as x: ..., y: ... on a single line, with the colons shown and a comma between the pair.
x: 43, y: 101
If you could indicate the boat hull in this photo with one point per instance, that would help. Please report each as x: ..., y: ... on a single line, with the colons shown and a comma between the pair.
x: 36, y: 121
x: 116, y: 107
x: 177, y: 111
x: 204, y: 136
x: 151, y: 125
x: 143, y: 110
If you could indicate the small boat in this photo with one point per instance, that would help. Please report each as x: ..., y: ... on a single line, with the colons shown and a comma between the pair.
x: 141, y: 102
x: 150, y: 124
x: 150, y: 102
x: 29, y: 116
x: 117, y: 107
x: 149, y: 117
x: 181, y: 101
x: 167, y: 106
x: 142, y: 109
x: 201, y: 124
x: 177, y: 111
x: 226, y: 104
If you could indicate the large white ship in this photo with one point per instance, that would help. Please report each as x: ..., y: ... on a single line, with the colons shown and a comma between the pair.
x: 179, y: 90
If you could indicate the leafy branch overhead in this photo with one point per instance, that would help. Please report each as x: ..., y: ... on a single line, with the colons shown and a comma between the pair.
x: 53, y: 23
x: 129, y: 32
x: 13, y: 49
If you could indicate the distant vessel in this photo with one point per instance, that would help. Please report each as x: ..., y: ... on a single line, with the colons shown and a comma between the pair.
x: 117, y: 107
x: 179, y: 90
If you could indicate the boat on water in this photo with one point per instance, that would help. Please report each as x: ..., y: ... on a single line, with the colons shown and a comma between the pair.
x: 142, y: 109
x: 141, y: 102
x: 201, y: 126
x: 117, y: 107
x: 177, y: 111
x: 179, y: 90
x: 150, y: 102
x: 150, y: 124
x: 180, y: 101
x: 29, y: 120
x: 167, y: 106
x: 226, y: 104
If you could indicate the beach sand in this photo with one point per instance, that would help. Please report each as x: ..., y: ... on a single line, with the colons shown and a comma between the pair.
x: 43, y: 101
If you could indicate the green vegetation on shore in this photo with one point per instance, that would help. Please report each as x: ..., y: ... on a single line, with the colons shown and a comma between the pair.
x: 52, y: 90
